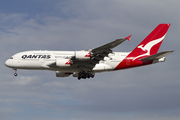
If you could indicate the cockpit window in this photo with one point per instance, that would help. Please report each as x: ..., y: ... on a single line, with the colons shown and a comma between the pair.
x: 11, y: 58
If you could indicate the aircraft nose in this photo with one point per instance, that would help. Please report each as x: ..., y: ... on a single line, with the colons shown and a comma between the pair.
x: 8, y: 63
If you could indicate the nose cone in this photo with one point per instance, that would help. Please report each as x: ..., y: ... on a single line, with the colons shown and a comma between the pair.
x: 8, y: 63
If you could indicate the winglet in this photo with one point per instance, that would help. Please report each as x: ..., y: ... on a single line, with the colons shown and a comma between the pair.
x: 128, y: 37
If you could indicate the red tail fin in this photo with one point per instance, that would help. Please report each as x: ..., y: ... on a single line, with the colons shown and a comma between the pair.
x: 150, y: 45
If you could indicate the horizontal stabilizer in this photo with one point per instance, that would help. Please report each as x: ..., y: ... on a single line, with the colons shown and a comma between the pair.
x: 156, y: 56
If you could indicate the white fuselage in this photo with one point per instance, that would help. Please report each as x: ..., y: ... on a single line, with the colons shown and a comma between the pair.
x: 39, y: 60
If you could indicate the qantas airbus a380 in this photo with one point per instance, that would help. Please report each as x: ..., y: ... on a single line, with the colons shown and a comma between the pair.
x: 85, y: 63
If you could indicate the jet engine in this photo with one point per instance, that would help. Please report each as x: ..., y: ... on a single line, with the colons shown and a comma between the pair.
x: 62, y: 74
x: 63, y: 62
x: 82, y: 55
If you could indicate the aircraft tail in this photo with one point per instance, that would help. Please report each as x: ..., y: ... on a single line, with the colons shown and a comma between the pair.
x: 150, y: 45
x: 146, y: 52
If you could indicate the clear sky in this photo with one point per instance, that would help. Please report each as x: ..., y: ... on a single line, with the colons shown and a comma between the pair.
x: 145, y: 93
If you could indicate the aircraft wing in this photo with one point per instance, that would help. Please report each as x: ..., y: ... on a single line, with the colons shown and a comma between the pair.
x: 99, y: 53
x: 110, y: 45
x: 156, y: 56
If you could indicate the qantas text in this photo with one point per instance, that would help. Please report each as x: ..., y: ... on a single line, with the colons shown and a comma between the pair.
x: 36, y: 56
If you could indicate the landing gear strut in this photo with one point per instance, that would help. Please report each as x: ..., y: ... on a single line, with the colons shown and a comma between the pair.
x: 85, y: 75
x: 15, y: 74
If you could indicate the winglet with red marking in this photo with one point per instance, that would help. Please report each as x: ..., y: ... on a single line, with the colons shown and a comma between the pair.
x: 128, y: 37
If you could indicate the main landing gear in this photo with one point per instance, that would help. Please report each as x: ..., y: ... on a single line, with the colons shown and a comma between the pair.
x: 15, y: 74
x: 85, y: 75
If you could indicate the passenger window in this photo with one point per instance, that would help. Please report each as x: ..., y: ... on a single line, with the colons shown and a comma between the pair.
x: 11, y: 58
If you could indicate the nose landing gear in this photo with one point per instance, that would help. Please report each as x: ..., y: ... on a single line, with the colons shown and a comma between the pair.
x: 15, y: 74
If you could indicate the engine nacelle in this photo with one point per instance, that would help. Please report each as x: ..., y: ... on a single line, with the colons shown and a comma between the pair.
x: 63, y: 62
x: 82, y: 55
x: 62, y: 74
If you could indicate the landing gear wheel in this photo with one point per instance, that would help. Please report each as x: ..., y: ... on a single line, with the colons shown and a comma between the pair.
x: 84, y: 75
x: 15, y: 74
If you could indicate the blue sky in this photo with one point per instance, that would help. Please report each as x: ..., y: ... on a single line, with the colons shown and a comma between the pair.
x: 32, y: 7
x: 150, y: 92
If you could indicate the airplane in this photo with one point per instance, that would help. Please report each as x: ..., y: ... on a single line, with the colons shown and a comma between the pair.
x: 85, y: 63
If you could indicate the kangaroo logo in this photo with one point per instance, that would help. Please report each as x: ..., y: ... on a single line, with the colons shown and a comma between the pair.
x: 148, y: 46
x: 88, y: 55
x: 68, y: 62
x: 143, y: 48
